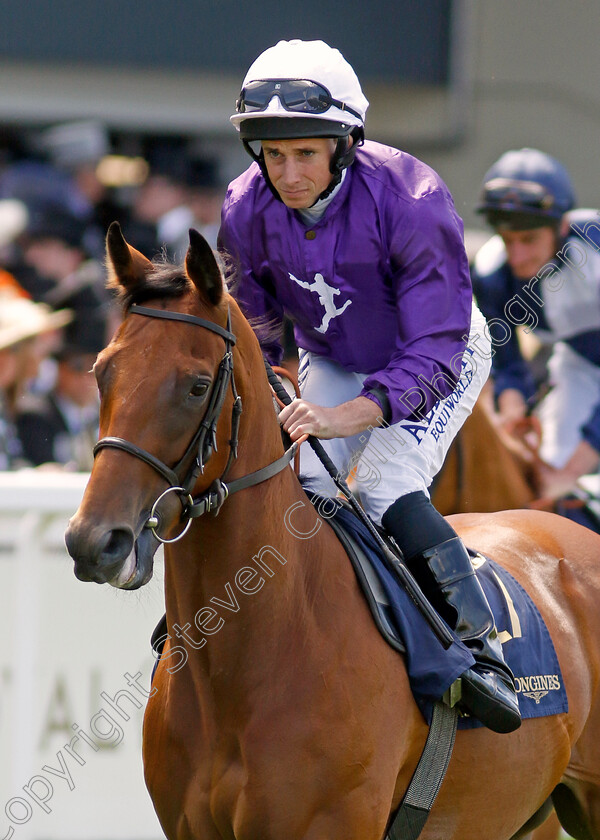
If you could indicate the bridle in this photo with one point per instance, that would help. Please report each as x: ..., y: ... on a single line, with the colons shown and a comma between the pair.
x: 204, y: 441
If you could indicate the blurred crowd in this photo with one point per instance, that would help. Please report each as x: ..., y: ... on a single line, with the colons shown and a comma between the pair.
x: 58, y: 195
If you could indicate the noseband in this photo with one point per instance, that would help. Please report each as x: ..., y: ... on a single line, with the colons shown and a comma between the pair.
x: 204, y: 441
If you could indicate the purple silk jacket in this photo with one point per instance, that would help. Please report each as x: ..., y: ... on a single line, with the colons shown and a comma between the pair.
x: 380, y: 284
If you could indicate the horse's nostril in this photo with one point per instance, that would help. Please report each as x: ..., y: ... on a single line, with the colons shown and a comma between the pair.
x: 118, y: 545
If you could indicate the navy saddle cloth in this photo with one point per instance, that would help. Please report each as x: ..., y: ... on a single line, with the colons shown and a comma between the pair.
x: 526, y: 642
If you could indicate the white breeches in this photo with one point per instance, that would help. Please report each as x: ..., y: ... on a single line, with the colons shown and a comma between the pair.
x: 390, y: 461
x: 574, y: 395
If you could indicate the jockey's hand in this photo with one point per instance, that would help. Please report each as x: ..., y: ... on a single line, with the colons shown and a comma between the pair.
x: 555, y: 483
x: 304, y: 418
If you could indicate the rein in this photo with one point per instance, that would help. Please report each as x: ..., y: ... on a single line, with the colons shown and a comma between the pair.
x: 204, y: 441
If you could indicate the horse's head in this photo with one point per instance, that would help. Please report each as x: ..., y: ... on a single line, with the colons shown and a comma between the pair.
x: 168, y: 410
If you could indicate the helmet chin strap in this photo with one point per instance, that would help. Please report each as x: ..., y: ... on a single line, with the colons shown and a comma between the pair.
x: 342, y: 157
x: 345, y: 150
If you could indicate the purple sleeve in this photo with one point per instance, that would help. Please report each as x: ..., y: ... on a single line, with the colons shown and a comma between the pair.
x: 257, y: 303
x: 432, y: 288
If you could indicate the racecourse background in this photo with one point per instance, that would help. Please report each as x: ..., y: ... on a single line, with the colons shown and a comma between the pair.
x: 67, y: 651
x: 517, y: 74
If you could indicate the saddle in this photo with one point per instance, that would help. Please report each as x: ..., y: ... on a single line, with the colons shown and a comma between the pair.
x: 527, y: 644
x: 433, y: 668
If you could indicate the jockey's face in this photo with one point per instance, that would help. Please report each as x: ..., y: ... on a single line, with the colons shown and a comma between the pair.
x: 299, y: 169
x: 528, y: 250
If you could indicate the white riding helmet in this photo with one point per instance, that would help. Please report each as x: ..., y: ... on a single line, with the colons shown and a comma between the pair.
x: 299, y: 89
x: 302, y: 89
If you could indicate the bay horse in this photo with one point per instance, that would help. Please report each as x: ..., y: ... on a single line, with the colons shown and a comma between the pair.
x: 277, y: 710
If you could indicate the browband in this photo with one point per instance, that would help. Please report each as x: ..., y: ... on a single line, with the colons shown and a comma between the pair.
x: 183, y: 316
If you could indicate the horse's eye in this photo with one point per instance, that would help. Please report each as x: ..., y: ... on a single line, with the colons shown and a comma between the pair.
x: 199, y: 389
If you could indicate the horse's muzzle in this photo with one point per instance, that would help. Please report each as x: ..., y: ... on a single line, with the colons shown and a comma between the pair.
x: 111, y: 555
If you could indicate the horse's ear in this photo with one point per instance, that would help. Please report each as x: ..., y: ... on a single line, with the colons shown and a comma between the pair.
x: 202, y: 268
x: 126, y: 266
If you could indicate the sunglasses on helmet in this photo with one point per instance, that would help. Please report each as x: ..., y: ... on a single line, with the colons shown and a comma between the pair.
x: 506, y: 193
x: 300, y: 96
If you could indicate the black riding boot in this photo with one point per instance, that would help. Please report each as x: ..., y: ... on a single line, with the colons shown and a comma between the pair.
x: 488, y: 689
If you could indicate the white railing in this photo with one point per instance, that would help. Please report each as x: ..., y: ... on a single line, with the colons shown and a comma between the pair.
x: 75, y: 664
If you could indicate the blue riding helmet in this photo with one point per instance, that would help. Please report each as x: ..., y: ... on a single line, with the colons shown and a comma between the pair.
x: 525, y: 189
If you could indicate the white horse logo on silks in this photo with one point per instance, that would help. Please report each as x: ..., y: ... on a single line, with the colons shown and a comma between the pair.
x: 326, y: 294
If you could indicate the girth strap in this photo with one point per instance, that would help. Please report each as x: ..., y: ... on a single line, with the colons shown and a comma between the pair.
x: 428, y: 776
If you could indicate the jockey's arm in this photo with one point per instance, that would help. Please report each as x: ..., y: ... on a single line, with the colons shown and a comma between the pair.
x: 349, y: 418
x: 583, y: 461
x: 559, y: 482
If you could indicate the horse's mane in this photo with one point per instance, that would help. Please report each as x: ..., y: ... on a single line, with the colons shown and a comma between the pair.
x: 267, y: 330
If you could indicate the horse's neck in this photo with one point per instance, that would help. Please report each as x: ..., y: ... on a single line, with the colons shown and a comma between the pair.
x: 241, y: 580
x: 226, y: 560
x: 250, y: 592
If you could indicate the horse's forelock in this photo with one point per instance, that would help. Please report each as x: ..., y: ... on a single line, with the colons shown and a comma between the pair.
x: 168, y: 281
x: 162, y: 281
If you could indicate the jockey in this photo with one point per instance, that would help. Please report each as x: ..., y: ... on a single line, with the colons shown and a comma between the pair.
x: 360, y: 246
x: 542, y: 271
